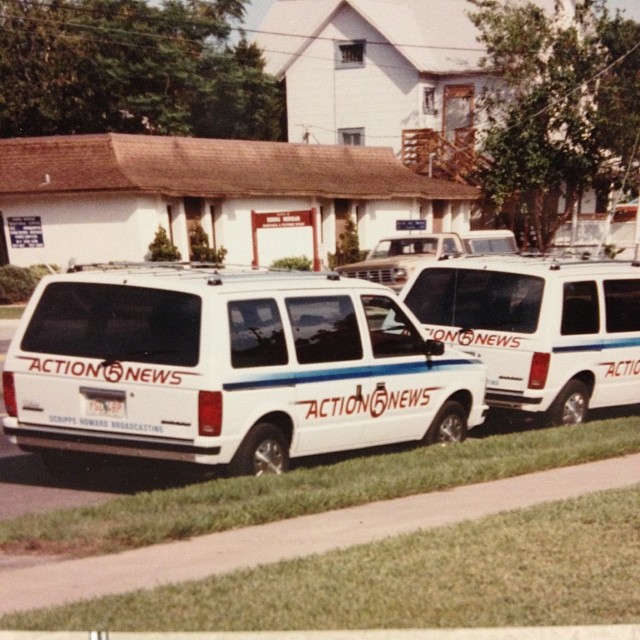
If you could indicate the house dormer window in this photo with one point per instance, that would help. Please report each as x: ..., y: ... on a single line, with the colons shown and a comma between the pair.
x: 354, y: 137
x: 350, y: 55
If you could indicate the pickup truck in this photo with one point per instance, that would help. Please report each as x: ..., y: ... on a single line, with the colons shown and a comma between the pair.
x: 393, y: 259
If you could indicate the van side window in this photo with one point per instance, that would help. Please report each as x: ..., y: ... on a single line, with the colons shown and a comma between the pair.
x: 257, y: 336
x: 477, y: 299
x: 392, y: 333
x: 325, y: 329
x: 622, y: 305
x: 580, y: 313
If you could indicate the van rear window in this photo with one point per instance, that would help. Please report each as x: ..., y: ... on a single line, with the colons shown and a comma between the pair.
x: 477, y: 299
x: 116, y: 322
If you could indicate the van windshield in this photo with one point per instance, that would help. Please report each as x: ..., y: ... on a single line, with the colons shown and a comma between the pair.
x: 477, y: 299
x: 116, y: 322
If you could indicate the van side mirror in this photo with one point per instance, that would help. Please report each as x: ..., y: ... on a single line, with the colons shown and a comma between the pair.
x: 433, y: 348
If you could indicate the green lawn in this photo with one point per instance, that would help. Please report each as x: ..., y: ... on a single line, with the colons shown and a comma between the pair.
x: 575, y: 562
x: 203, y: 507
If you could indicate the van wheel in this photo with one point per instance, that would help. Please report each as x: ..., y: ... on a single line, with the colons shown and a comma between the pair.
x: 570, y: 406
x: 263, y: 451
x: 449, y: 425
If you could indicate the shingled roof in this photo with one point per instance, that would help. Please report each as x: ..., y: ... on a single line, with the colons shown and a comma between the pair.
x: 175, y: 166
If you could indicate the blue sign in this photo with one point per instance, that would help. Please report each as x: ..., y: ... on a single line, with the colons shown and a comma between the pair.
x: 411, y: 225
x: 26, y: 232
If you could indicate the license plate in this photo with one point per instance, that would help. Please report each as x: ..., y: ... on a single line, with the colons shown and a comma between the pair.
x: 104, y: 404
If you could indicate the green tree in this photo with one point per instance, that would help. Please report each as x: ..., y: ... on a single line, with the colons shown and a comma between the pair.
x: 348, y: 249
x: 88, y: 66
x: 542, y: 113
x: 618, y: 100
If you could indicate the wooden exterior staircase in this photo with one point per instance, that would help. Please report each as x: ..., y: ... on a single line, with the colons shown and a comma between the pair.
x: 429, y: 153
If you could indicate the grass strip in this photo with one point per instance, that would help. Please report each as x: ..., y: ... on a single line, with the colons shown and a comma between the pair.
x: 164, y: 515
x: 11, y: 312
x: 575, y: 562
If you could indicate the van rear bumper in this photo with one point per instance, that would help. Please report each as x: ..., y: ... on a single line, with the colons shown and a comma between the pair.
x: 35, y: 439
x: 513, y: 401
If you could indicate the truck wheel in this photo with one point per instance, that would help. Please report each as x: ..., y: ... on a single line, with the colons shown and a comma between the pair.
x: 264, y: 451
x: 449, y: 425
x: 570, y: 406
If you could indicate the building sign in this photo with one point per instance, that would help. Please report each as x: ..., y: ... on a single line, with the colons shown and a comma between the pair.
x: 411, y: 225
x: 26, y: 232
x: 285, y: 220
x: 282, y: 220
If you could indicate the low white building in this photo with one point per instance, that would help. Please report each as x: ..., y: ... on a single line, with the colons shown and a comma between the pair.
x: 97, y: 198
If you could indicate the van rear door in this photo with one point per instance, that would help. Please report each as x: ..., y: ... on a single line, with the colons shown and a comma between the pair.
x: 95, y: 362
x: 492, y: 315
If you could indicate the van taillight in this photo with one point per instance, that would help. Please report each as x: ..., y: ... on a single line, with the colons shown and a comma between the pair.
x: 539, y: 370
x: 209, y: 413
x: 9, y: 391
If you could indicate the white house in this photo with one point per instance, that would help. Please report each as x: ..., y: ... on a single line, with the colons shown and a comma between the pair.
x: 97, y: 198
x: 364, y: 72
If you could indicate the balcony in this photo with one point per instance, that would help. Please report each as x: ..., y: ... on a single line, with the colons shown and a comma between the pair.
x: 428, y: 153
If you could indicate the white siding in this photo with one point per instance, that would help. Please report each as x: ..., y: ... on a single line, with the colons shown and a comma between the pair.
x: 120, y: 228
x: 381, y: 97
x: 87, y: 229
x: 384, y: 96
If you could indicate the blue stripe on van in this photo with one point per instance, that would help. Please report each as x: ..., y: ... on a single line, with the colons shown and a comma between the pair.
x: 616, y: 343
x: 348, y: 373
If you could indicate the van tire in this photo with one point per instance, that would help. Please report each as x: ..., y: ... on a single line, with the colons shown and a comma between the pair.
x: 570, y: 406
x: 264, y: 451
x: 449, y: 425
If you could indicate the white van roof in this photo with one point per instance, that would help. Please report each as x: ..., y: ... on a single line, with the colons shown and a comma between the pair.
x: 197, y: 279
x: 538, y: 265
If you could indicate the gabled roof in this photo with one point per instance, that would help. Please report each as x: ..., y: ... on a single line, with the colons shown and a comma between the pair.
x: 175, y: 166
x: 435, y: 36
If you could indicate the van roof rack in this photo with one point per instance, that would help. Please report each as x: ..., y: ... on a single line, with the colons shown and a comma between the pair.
x: 214, y: 271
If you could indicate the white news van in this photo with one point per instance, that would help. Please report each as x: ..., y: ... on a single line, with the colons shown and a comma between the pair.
x: 557, y: 336
x: 243, y: 370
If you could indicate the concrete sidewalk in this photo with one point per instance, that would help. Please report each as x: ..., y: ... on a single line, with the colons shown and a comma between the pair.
x: 56, y: 583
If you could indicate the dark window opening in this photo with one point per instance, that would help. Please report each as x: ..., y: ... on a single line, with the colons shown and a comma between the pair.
x: 257, y: 335
x: 473, y: 299
x: 392, y: 333
x: 350, y: 55
x: 622, y: 304
x: 580, y: 312
x: 116, y: 322
x: 325, y: 329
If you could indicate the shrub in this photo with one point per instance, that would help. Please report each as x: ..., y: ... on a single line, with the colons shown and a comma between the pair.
x: 293, y: 263
x: 200, y: 249
x: 348, y: 250
x: 162, y: 249
x: 17, y: 283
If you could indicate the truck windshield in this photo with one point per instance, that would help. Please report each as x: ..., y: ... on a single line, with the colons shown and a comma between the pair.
x: 474, y: 299
x: 116, y: 322
x: 404, y: 246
